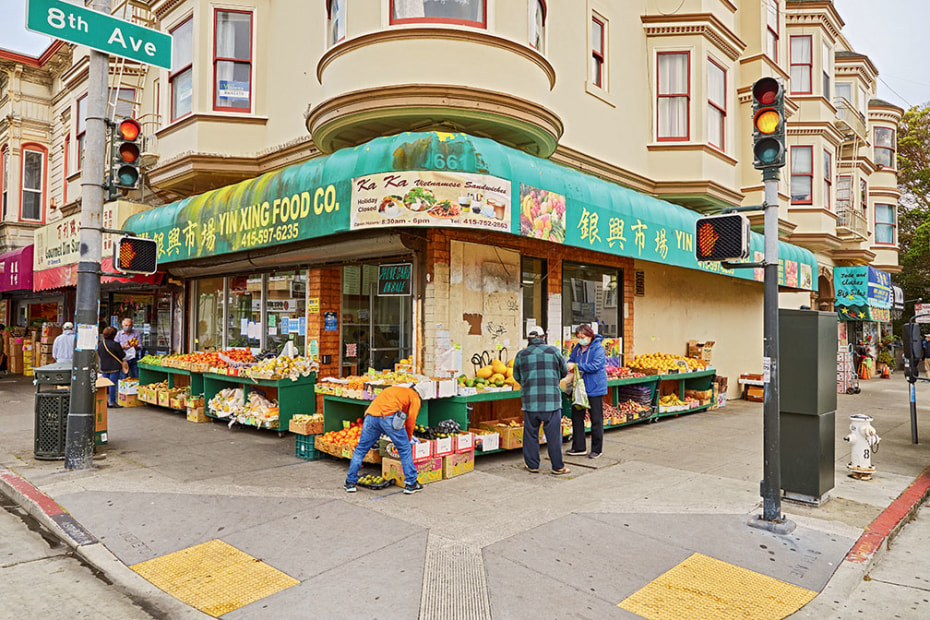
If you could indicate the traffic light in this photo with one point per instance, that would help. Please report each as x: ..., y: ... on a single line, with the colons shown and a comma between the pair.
x: 913, y: 348
x: 135, y: 255
x: 722, y: 237
x: 124, y: 168
x: 768, y: 124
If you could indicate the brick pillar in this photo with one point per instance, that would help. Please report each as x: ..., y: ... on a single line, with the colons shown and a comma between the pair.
x: 435, y: 296
x: 325, y: 284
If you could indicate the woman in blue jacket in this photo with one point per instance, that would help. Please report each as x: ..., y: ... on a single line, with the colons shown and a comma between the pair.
x: 588, y: 355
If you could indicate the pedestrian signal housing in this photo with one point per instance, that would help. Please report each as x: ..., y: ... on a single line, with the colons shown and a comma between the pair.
x: 135, y: 255
x: 124, y: 169
x: 768, y: 124
x: 722, y: 237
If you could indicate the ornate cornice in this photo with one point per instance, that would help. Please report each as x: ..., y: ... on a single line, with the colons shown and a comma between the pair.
x: 702, y: 24
x: 165, y: 7
x: 821, y: 19
x: 395, y: 34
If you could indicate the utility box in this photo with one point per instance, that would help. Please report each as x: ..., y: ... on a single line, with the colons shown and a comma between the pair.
x: 807, y: 346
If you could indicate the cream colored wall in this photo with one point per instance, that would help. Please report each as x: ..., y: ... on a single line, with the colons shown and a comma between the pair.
x: 683, y: 304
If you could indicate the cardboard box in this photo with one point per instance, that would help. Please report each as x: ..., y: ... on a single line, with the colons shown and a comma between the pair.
x: 422, y: 450
x: 458, y: 464
x: 446, y: 388
x: 196, y: 415
x: 755, y: 393
x: 463, y: 442
x: 300, y: 428
x: 428, y: 471
x: 128, y: 386
x: 486, y: 441
x: 426, y: 389
x: 177, y: 402
x: 45, y: 348
x: 100, y: 404
x: 163, y: 399
x: 701, y: 350
x: 129, y: 400
x: 443, y: 447
x: 511, y: 436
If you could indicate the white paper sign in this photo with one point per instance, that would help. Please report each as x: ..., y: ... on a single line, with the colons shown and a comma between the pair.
x: 87, y: 338
x: 766, y: 369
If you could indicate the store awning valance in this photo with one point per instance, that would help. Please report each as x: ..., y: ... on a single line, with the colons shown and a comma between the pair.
x: 16, y: 270
x: 442, y: 180
x: 862, y: 294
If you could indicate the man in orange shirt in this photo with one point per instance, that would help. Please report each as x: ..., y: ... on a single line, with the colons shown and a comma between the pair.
x: 384, y: 415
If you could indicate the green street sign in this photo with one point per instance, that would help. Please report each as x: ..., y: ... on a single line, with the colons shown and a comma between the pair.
x: 99, y: 31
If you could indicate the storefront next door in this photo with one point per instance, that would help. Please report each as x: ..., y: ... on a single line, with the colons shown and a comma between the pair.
x: 376, y: 316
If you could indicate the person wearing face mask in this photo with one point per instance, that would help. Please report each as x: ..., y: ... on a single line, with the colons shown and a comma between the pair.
x: 130, y: 340
x: 589, y: 357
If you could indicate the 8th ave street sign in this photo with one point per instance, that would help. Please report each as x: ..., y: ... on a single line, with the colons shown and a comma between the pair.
x: 99, y: 31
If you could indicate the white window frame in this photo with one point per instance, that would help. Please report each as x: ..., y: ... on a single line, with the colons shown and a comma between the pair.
x: 893, y: 224
x: 40, y: 190
x: 717, y: 107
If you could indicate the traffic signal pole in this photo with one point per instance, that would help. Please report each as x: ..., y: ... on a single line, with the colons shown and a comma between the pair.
x: 79, y: 441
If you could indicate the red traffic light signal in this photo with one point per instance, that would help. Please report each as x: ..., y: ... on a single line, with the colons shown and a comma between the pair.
x: 124, y: 168
x: 722, y: 237
x: 135, y: 255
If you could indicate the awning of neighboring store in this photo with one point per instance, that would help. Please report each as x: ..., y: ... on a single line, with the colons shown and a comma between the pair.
x: 436, y: 179
x: 66, y: 275
x: 16, y: 270
x: 862, y: 294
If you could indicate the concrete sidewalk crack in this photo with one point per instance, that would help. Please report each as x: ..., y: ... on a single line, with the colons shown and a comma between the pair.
x: 34, y: 560
x: 900, y: 585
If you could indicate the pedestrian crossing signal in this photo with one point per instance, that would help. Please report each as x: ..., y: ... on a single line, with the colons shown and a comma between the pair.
x: 135, y: 255
x: 722, y: 237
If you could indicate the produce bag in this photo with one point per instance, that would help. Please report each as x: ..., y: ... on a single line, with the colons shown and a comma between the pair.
x: 567, y: 383
x: 580, y: 397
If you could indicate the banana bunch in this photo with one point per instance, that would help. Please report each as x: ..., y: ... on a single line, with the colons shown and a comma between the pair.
x: 671, y: 400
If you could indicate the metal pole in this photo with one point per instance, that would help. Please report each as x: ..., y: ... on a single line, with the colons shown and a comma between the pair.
x: 79, y: 442
x: 771, y: 484
x: 913, y: 395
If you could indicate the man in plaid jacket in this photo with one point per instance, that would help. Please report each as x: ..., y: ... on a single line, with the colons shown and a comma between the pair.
x: 538, y: 369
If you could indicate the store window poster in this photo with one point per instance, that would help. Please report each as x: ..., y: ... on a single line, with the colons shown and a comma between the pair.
x: 791, y: 273
x: 330, y: 323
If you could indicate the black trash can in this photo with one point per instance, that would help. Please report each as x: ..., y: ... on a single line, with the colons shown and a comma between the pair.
x: 53, y: 400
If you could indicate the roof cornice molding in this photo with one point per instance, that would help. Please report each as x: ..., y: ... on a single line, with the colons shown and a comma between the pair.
x: 703, y: 24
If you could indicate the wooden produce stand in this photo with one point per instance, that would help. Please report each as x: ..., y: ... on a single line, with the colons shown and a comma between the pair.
x: 698, y: 380
x: 294, y: 397
x: 176, y: 377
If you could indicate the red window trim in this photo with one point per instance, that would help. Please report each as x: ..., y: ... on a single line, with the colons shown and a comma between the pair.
x: 686, y: 95
x: 64, y: 167
x: 598, y: 56
x: 483, y: 24
x: 36, y: 148
x: 174, y: 74
x: 723, y: 110
x: 828, y: 181
x: 809, y: 65
x: 776, y: 31
x: 894, y: 151
x: 809, y: 175
x: 893, y: 224
x: 217, y: 59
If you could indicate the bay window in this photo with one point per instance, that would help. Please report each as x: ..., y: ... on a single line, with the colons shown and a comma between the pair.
x: 232, y: 61
x: 801, y: 65
x: 674, y: 93
x: 4, y: 180
x: 597, y: 52
x: 337, y: 21
x: 771, y: 29
x: 827, y: 178
x: 843, y: 93
x: 461, y: 12
x: 716, y: 104
x: 33, y: 190
x: 884, y: 147
x: 885, y: 224
x: 181, y: 77
x: 802, y: 175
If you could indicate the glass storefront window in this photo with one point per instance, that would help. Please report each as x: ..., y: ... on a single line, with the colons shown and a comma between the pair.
x: 245, y: 312
x: 533, y: 284
x: 286, y: 310
x: 592, y: 294
x: 208, y: 332
x: 376, y: 329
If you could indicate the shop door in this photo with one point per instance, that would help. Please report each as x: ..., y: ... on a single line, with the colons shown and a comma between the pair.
x: 376, y: 330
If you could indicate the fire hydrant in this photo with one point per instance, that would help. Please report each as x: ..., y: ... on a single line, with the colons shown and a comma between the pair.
x: 864, y: 442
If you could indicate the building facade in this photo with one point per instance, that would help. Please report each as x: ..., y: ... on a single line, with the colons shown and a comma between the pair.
x: 650, y: 102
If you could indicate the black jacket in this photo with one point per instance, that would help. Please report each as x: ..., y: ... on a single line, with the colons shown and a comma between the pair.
x: 107, y: 362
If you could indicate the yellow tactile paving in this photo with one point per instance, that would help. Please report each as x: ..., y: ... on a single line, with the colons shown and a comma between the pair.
x: 702, y: 588
x: 214, y: 577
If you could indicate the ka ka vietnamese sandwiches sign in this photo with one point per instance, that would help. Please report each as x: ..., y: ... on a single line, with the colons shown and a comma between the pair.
x: 431, y: 198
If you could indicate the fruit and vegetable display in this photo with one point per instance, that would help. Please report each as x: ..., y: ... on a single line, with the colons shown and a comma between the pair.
x: 639, y: 393
x: 446, y: 428
x: 663, y: 363
x: 282, y: 367
x: 255, y: 410
x: 542, y: 214
x: 494, y: 374
x: 374, y: 482
x: 673, y: 402
x: 622, y: 372
x: 238, y: 362
x: 367, y: 386
x: 346, y: 437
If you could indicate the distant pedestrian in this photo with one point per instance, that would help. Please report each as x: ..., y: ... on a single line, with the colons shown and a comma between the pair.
x: 538, y: 369
x: 392, y: 412
x: 588, y: 355
x: 63, y: 347
x: 130, y: 340
x: 926, y: 359
x: 111, y: 357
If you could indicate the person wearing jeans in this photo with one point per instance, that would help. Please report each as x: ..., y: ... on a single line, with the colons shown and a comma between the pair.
x: 381, y: 417
x: 551, y: 423
x: 111, y: 357
x: 588, y: 355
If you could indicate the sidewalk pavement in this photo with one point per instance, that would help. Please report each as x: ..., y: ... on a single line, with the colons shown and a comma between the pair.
x: 656, y: 527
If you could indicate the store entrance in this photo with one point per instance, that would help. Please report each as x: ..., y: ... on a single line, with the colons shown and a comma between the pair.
x: 376, y: 326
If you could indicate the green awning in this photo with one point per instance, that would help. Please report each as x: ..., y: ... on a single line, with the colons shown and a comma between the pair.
x: 442, y: 180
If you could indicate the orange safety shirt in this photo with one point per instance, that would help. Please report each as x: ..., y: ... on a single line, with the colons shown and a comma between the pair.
x: 394, y: 399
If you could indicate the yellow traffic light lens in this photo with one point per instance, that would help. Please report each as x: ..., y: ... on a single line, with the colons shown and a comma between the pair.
x: 767, y: 121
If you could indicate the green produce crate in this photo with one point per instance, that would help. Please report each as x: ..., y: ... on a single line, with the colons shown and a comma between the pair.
x: 305, y: 449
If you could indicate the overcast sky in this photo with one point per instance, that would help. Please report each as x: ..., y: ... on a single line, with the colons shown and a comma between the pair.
x: 888, y: 31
